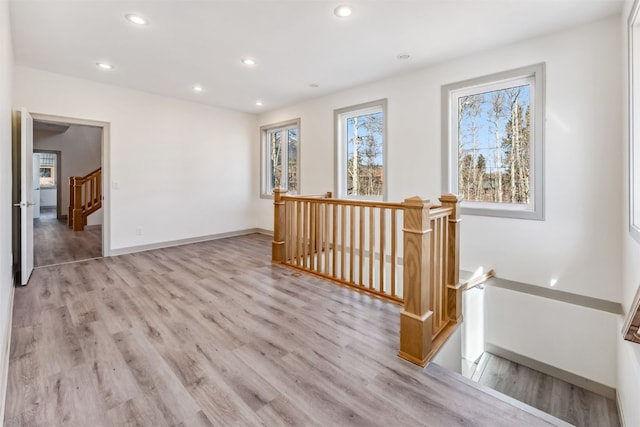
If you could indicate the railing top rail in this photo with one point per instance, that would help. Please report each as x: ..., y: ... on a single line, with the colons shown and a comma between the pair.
x: 308, y: 196
x: 435, y: 211
x: 88, y: 176
x: 345, y: 202
x: 439, y: 212
x: 95, y: 172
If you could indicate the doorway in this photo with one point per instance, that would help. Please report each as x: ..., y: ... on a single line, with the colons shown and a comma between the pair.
x: 48, y: 173
x: 62, y: 148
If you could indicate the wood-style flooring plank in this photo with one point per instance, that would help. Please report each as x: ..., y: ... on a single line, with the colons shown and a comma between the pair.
x: 573, y: 404
x: 213, y: 334
x: 155, y: 378
x: 56, y: 243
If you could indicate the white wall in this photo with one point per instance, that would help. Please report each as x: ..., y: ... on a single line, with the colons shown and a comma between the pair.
x: 578, y: 244
x: 48, y: 197
x: 6, y: 280
x: 80, y: 148
x: 628, y: 353
x: 178, y: 169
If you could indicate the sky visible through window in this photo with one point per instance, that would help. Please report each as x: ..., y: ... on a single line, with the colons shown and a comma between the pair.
x: 365, y: 154
x: 494, y: 145
x: 486, y: 128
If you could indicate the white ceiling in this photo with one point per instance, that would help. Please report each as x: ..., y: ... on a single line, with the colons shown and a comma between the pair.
x: 295, y: 43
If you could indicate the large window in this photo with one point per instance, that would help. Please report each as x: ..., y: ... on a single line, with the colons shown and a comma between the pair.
x: 493, y: 144
x: 360, y: 150
x: 280, y: 157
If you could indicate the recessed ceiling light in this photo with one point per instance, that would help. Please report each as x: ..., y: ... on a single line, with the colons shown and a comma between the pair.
x: 403, y: 56
x: 104, y: 66
x: 248, y: 61
x: 342, y: 11
x: 314, y: 85
x: 259, y: 103
x: 197, y: 88
x: 136, y: 19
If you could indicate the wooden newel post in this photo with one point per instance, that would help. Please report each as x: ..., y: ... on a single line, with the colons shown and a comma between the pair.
x: 454, y: 291
x: 416, y: 322
x: 78, y: 220
x: 278, y: 243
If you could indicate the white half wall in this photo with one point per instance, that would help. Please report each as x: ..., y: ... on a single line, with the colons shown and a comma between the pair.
x: 578, y: 244
x: 6, y: 279
x: 178, y: 169
x: 628, y: 353
x: 576, y: 339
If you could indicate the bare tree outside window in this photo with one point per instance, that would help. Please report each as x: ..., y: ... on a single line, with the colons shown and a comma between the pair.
x: 360, y: 150
x: 494, y: 149
x: 275, y: 165
x: 364, y: 155
x: 493, y: 143
x: 292, y: 160
x: 281, y: 161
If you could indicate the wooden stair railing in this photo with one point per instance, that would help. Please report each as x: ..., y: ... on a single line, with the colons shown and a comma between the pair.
x: 85, y: 197
x: 357, y: 244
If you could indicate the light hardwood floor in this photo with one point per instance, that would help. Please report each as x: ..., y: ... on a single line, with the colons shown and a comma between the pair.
x: 213, y: 334
x: 573, y: 404
x: 55, y: 243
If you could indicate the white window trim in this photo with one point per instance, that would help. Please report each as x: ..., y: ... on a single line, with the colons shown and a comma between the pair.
x: 265, y: 192
x: 340, y: 156
x: 533, y: 74
x: 633, y: 37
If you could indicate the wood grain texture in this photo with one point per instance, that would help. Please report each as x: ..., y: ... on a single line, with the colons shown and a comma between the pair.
x: 55, y: 243
x: 570, y: 403
x: 416, y: 320
x: 214, y: 334
x: 453, y: 286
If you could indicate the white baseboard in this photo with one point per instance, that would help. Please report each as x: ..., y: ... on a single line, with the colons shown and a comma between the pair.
x: 161, y: 245
x: 4, y: 366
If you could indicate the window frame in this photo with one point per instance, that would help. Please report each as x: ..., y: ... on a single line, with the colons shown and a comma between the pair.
x: 53, y: 173
x: 265, y: 191
x: 532, y: 74
x: 340, y: 148
x: 633, y: 54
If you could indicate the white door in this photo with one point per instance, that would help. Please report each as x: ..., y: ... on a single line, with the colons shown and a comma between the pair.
x: 36, y: 185
x: 26, y: 194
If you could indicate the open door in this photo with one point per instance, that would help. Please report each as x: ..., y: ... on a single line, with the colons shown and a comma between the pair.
x: 26, y: 195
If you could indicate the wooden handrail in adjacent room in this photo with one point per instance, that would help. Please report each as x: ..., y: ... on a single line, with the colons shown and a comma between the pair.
x: 357, y: 244
x: 85, y: 197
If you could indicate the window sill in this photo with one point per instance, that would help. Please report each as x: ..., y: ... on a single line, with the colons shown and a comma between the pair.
x: 507, y: 211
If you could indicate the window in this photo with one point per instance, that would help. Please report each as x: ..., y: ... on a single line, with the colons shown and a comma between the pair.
x: 280, y: 157
x: 493, y: 143
x: 361, y: 150
x: 47, y: 170
x: 634, y: 120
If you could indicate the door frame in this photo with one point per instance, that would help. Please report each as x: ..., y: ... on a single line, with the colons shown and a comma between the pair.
x: 58, y: 154
x: 106, y: 168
